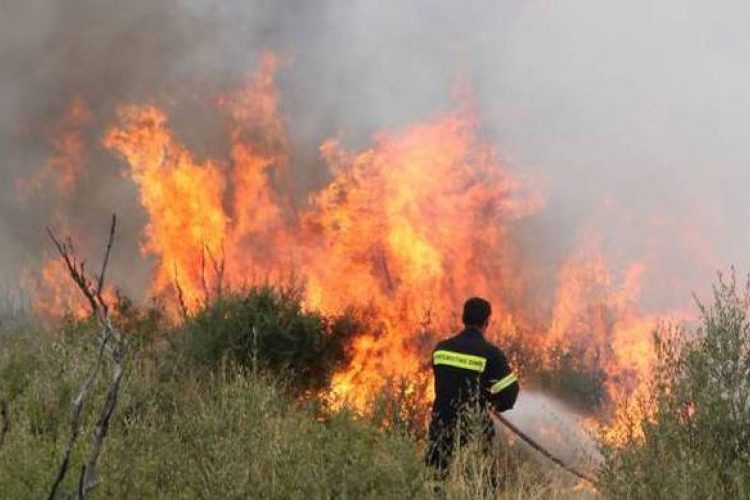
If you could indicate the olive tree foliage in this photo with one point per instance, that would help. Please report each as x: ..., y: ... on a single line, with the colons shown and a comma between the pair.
x: 696, y: 442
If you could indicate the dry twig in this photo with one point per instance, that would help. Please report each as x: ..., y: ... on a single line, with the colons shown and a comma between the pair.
x: 219, y: 267
x: 5, y: 415
x: 181, y: 303
x: 110, y: 337
x: 75, y: 419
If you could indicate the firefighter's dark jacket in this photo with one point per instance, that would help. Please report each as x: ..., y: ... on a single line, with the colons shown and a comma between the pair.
x: 468, y: 368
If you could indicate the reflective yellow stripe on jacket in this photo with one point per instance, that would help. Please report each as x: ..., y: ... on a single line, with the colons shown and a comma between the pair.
x: 503, y: 383
x: 459, y: 360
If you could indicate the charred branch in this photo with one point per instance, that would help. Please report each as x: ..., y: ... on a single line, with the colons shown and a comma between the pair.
x: 76, y: 268
x: 181, y: 303
x: 204, y: 282
x: 218, y: 265
x: 105, y: 261
x: 383, y: 261
x: 5, y: 416
x: 80, y: 493
x: 211, y: 281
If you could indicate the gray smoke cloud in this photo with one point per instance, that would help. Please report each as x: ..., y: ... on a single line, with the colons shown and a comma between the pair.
x: 633, y: 111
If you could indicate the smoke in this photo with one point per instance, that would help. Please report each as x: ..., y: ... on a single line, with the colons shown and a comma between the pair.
x: 632, y: 111
x: 556, y: 427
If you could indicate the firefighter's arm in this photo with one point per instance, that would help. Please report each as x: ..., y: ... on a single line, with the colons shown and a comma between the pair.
x: 502, y: 383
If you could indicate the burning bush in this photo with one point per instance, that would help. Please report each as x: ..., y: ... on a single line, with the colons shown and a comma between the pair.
x: 267, y: 328
x: 697, y: 441
x: 400, y: 406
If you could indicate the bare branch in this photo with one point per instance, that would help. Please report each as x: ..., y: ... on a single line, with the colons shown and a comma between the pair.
x: 76, y: 269
x: 204, y: 283
x: 109, y: 335
x: 180, y: 296
x: 386, y: 271
x: 102, y: 424
x: 5, y: 415
x: 81, y: 494
x: 218, y: 268
x: 75, y: 419
x: 110, y: 240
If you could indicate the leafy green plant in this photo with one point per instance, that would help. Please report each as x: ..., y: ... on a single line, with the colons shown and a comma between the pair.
x: 267, y: 328
x: 574, y: 375
x: 696, y: 443
x: 401, y: 406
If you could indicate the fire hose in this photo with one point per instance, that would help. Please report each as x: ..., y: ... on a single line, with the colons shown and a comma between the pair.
x: 539, y: 448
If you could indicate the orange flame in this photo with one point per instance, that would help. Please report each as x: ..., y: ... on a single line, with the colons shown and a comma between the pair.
x: 410, y: 228
x: 68, y: 159
x: 406, y: 228
x: 54, y: 294
x: 183, y: 199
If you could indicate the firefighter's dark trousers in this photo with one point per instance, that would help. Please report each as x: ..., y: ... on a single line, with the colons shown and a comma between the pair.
x: 444, y: 440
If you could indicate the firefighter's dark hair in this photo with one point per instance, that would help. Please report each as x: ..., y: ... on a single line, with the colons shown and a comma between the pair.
x: 476, y: 311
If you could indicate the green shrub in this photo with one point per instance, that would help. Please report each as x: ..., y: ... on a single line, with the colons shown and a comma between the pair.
x: 401, y: 406
x: 696, y: 444
x: 188, y: 434
x: 573, y: 374
x: 268, y: 328
x: 142, y: 325
x: 570, y: 370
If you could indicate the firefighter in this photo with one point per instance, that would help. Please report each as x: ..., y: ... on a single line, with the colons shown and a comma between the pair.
x: 471, y: 376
